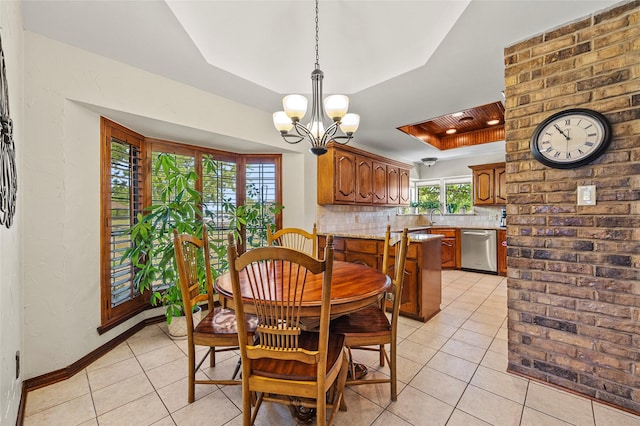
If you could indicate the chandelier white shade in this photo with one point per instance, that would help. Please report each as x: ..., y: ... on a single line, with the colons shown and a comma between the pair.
x: 320, y: 130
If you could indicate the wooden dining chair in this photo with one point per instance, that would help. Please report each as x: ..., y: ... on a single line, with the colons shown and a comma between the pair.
x: 370, y: 328
x: 218, y: 329
x: 295, y: 238
x: 287, y: 365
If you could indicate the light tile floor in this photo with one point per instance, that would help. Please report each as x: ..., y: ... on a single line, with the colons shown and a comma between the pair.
x: 452, y: 371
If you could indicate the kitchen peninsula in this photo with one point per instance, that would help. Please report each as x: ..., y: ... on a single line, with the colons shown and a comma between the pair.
x: 422, y: 288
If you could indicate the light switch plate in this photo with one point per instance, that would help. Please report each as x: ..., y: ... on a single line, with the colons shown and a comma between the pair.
x: 587, y: 195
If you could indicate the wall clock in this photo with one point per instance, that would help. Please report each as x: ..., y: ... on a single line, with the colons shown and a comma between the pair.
x: 571, y: 138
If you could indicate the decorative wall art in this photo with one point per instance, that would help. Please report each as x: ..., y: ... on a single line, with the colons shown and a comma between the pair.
x: 8, y: 175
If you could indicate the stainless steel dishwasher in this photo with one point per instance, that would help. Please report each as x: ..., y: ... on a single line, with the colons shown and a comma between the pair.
x: 479, y: 250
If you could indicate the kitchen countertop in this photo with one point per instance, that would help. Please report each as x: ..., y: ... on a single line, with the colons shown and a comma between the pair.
x: 380, y: 235
x: 436, y: 227
x: 413, y: 235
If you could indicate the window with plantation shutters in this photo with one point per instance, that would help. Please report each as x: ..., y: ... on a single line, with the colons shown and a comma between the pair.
x: 122, y: 201
x: 261, y: 186
x: 219, y: 182
x: 186, y: 163
x: 130, y: 182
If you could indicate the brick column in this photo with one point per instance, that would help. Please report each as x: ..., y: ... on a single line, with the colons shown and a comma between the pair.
x: 574, y: 271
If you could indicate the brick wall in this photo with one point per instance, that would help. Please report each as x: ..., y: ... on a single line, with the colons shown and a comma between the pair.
x: 574, y: 271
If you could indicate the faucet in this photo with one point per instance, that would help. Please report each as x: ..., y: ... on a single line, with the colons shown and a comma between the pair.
x: 431, y: 215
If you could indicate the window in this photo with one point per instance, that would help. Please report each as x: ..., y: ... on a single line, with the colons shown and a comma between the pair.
x: 261, y: 188
x: 121, y: 201
x: 218, y: 190
x: 458, y: 197
x: 429, y: 193
x: 125, y: 172
x: 453, y: 193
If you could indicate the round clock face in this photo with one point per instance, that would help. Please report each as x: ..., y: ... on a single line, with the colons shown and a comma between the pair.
x: 571, y: 138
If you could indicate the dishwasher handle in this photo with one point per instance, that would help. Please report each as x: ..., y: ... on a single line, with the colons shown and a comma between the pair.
x: 480, y: 233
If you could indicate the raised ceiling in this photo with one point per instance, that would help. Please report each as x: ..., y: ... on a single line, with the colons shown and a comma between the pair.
x: 400, y: 61
x: 374, y: 42
x: 469, y: 127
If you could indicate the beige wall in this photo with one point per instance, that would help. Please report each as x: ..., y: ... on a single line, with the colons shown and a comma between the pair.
x: 61, y: 174
x: 573, y: 271
x: 11, y: 301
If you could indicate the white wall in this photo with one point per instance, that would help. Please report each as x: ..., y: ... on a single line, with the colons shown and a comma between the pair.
x: 61, y: 241
x: 456, y: 167
x: 11, y: 321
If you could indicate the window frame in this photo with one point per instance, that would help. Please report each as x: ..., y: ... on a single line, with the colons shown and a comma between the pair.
x: 442, y: 183
x: 112, y: 316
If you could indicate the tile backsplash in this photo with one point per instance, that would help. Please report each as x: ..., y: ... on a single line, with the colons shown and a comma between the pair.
x: 335, y: 218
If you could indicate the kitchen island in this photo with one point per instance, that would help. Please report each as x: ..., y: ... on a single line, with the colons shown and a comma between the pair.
x: 422, y: 288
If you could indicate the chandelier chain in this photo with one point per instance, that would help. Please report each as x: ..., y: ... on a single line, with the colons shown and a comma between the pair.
x: 317, y: 38
x: 319, y: 131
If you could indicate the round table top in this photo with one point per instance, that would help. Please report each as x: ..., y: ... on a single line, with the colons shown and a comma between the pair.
x: 353, y: 287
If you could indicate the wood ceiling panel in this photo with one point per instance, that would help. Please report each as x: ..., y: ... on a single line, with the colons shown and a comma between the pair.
x: 471, y: 127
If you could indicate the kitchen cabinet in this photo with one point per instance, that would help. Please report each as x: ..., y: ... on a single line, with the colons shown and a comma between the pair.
x: 364, y: 180
x: 422, y: 286
x: 450, y: 246
x: 362, y: 251
x: 489, y: 184
x: 380, y: 190
x: 392, y: 182
x: 502, y: 252
x: 344, y: 177
x: 348, y: 175
x: 404, y: 186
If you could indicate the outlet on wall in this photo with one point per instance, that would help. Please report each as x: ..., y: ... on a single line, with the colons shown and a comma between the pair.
x: 587, y: 195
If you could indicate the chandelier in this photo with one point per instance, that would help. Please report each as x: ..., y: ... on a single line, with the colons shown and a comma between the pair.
x: 316, y: 132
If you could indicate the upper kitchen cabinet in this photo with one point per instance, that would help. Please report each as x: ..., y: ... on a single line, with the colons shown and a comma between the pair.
x: 364, y: 180
x: 348, y: 175
x: 404, y: 186
x: 382, y: 181
x: 344, y: 176
x: 489, y: 185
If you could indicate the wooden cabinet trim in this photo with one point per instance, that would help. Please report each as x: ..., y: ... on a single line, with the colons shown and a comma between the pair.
x: 348, y: 175
x: 489, y: 184
x: 422, y: 292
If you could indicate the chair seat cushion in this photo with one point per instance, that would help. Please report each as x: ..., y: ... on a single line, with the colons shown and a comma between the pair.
x: 295, y: 370
x: 370, y: 321
x: 223, y: 321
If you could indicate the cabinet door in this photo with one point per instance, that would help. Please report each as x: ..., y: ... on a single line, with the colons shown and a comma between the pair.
x: 393, y: 185
x: 380, y: 195
x: 410, y: 288
x: 364, y: 180
x: 345, y: 178
x: 502, y: 252
x: 448, y: 253
x: 404, y: 187
x: 483, y: 182
x: 500, y: 190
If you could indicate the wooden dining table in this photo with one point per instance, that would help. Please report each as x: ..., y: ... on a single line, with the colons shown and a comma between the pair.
x: 353, y: 287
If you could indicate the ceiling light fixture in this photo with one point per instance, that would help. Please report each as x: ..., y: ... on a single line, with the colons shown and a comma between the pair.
x: 465, y: 119
x: 316, y: 133
x: 451, y: 131
x: 493, y: 122
x: 429, y: 161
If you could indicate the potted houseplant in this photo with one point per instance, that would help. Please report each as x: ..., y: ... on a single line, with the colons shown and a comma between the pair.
x: 151, y: 250
x: 429, y: 205
x: 413, y: 207
x: 178, y: 207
